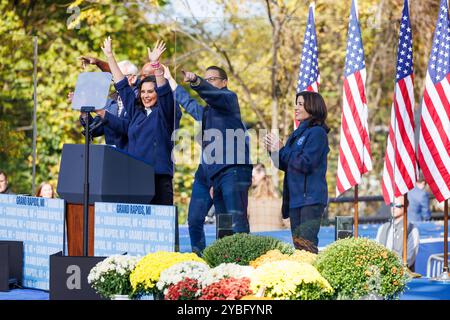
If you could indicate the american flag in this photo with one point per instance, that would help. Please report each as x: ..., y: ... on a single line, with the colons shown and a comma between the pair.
x: 355, y: 157
x: 434, y: 138
x: 308, y: 74
x: 400, y: 166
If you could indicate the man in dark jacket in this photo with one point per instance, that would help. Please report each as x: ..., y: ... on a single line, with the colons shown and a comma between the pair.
x: 226, y: 164
x: 4, y: 188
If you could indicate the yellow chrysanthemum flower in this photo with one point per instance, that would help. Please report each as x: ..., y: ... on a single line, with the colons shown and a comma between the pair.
x: 276, y: 255
x: 146, y: 274
x: 287, y: 279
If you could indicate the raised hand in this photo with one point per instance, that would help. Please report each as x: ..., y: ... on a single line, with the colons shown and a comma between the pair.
x: 85, y: 60
x: 107, y: 47
x: 155, y: 54
x: 70, y: 97
x: 167, y: 73
x: 189, y: 76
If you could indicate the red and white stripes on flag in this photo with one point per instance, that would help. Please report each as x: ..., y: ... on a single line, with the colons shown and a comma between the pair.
x: 434, y: 138
x: 355, y: 157
x: 400, y: 166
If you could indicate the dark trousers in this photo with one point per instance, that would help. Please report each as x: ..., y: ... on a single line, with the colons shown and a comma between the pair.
x: 231, y: 195
x: 305, y: 225
x: 199, y: 206
x: 163, y: 190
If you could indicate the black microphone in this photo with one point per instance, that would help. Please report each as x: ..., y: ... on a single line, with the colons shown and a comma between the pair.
x: 97, y: 122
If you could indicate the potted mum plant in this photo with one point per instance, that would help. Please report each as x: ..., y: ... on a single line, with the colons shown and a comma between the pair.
x: 181, y: 281
x: 110, y: 278
x: 290, y: 280
x: 145, y: 276
x: 362, y: 268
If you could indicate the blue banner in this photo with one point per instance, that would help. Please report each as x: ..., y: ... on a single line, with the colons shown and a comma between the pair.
x: 39, y: 223
x: 135, y: 229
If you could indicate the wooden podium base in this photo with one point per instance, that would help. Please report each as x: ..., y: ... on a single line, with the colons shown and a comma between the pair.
x: 74, y: 220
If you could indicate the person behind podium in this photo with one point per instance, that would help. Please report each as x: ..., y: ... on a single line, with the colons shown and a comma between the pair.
x: 4, y: 187
x: 150, y: 121
x: 304, y: 161
x: 46, y: 190
x: 225, y: 144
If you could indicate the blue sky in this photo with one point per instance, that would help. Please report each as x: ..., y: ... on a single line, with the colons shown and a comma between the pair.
x: 209, y: 9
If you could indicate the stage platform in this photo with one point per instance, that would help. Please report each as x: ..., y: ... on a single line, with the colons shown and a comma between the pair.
x: 431, y: 242
x: 417, y: 289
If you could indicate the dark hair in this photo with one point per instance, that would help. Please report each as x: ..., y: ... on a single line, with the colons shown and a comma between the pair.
x: 222, y: 72
x: 420, y: 177
x: 3, y: 173
x: 146, y: 79
x: 315, y: 106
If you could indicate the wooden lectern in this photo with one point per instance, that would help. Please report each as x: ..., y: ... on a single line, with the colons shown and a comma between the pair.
x: 74, y: 222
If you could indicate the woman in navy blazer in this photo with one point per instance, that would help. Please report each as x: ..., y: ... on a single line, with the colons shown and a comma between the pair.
x: 304, y: 161
x: 150, y: 121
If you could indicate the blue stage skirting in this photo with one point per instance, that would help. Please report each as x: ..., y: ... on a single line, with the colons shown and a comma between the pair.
x: 417, y: 289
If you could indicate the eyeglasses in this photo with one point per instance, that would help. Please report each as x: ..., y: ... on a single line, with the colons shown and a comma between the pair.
x: 394, y: 205
x: 210, y: 79
x: 129, y: 75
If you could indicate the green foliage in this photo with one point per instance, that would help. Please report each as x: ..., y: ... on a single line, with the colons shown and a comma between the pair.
x: 13, y: 145
x: 65, y: 30
x: 359, y: 267
x: 241, y: 248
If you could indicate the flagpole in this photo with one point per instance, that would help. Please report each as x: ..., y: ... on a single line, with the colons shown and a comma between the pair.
x: 446, y: 237
x: 444, y: 276
x: 405, y: 230
x: 355, y: 211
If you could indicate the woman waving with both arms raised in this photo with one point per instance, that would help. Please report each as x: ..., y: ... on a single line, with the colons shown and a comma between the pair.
x: 150, y: 121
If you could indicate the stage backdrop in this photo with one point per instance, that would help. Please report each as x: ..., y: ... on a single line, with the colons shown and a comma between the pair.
x: 134, y: 229
x: 39, y: 223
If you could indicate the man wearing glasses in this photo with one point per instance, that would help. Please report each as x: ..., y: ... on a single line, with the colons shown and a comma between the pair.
x: 390, y: 234
x: 225, y: 151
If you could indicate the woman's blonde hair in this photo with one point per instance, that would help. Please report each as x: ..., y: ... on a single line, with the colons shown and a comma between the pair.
x: 264, y: 189
x: 38, y: 191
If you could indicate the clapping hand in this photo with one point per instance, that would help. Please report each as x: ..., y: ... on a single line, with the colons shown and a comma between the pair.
x: 189, y: 76
x: 272, y: 142
x: 107, y: 47
x: 156, y: 53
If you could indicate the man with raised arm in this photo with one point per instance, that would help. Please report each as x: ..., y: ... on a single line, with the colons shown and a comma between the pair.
x: 225, y: 161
